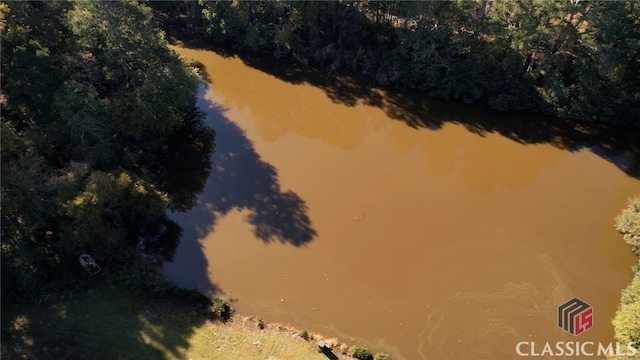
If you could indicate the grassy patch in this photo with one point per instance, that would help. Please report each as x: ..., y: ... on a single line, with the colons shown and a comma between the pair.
x: 109, y: 323
x: 242, y: 338
x: 113, y: 323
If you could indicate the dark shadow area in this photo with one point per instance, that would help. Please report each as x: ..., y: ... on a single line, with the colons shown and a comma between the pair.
x: 182, y: 169
x: 105, y: 323
x: 617, y: 144
x: 328, y: 353
x: 189, y: 267
x: 240, y: 180
x: 202, y: 71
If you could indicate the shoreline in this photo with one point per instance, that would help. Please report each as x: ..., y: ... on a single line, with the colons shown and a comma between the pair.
x: 332, y: 347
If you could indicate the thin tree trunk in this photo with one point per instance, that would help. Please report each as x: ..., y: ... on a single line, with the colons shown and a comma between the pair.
x: 483, y: 10
x: 535, y: 53
x: 576, y: 27
x: 425, y: 12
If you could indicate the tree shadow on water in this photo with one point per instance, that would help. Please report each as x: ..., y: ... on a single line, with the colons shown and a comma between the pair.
x: 240, y: 179
x: 616, y: 143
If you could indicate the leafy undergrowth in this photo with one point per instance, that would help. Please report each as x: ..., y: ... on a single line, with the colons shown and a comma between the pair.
x: 627, y: 320
x: 113, y: 323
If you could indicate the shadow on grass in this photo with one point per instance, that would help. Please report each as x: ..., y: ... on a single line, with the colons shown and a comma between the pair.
x: 107, y: 323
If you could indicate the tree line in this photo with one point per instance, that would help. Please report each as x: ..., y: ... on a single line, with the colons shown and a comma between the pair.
x: 626, y: 322
x: 572, y: 59
x: 100, y: 136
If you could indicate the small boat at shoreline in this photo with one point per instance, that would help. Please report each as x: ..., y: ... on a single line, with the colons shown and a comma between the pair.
x: 89, y: 264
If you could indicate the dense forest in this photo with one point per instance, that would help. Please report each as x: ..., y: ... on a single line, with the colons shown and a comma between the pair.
x: 98, y: 122
x: 572, y: 59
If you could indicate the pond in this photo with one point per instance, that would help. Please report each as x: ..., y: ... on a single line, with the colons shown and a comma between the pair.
x: 397, y: 222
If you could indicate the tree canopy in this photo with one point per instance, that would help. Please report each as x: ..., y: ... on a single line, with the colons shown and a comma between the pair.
x: 573, y: 59
x: 95, y: 108
x: 626, y: 323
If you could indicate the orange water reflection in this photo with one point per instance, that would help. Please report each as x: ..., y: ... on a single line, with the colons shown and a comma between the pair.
x: 438, y: 244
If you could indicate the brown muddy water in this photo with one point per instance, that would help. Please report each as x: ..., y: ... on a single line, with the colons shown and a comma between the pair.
x: 331, y: 214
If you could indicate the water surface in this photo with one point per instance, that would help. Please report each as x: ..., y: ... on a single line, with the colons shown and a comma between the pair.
x: 424, y: 244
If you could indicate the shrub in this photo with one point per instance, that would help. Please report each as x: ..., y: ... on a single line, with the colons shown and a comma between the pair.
x: 304, y: 334
x: 360, y: 353
x: 221, y: 309
x: 628, y: 223
x: 142, y: 276
x: 381, y: 357
x: 626, y: 322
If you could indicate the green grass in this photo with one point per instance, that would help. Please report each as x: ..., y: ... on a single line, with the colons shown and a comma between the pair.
x: 113, y: 323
